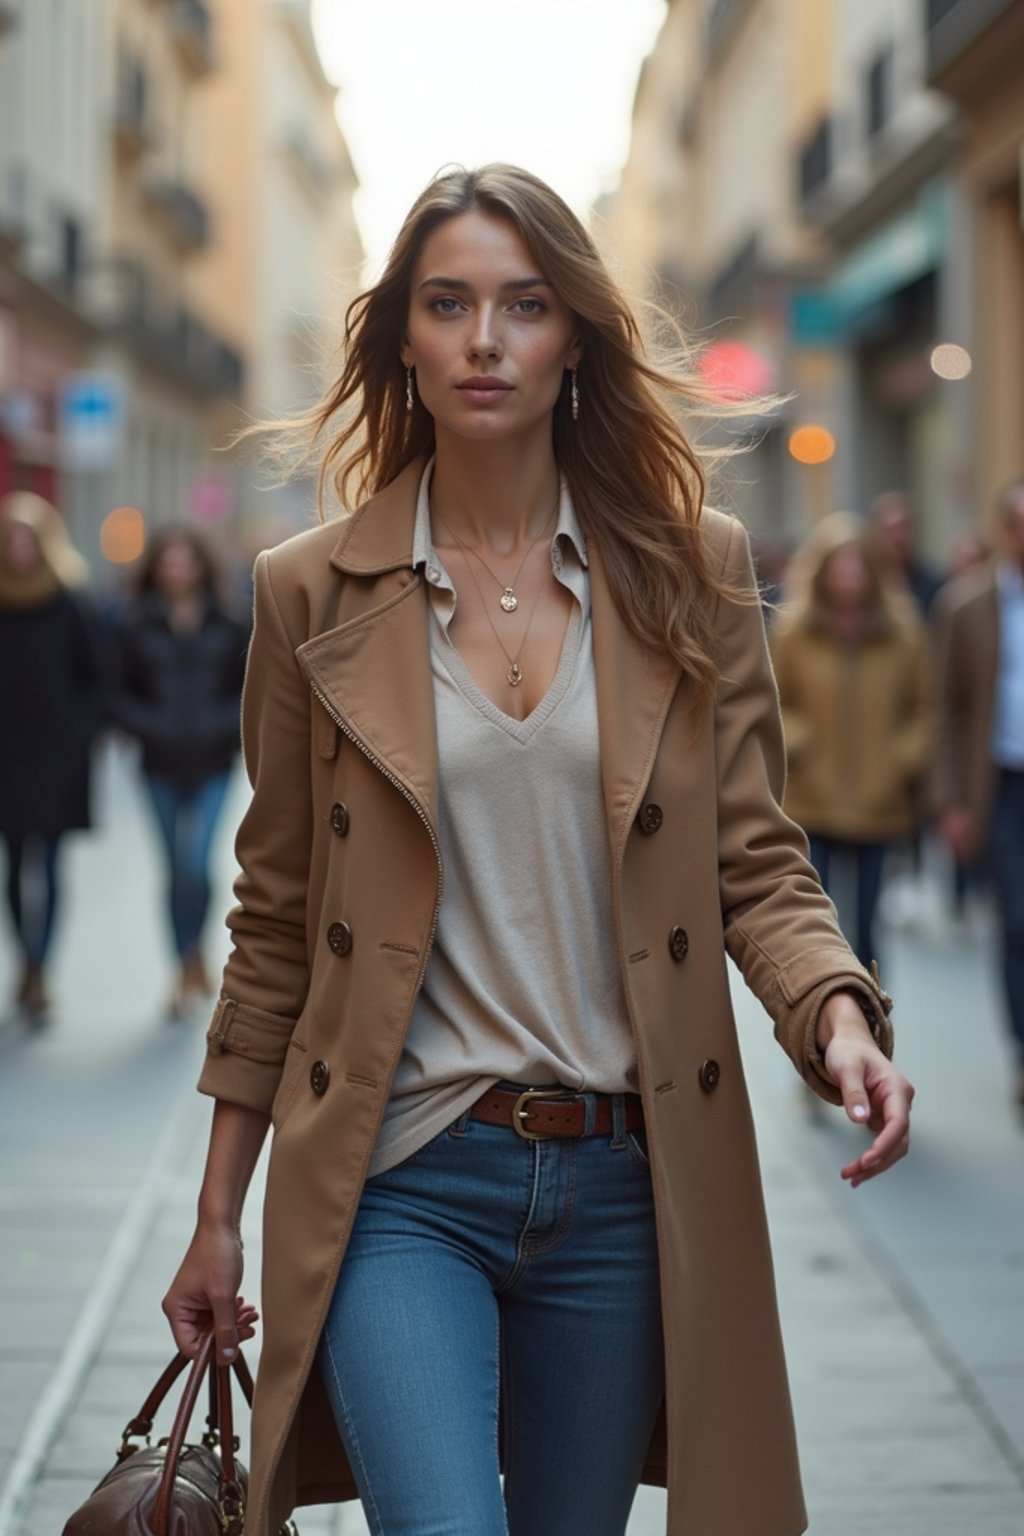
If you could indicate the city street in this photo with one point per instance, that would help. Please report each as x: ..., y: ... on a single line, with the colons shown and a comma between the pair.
x: 902, y: 1302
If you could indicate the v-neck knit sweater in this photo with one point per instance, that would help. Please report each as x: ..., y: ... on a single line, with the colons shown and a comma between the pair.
x: 523, y: 981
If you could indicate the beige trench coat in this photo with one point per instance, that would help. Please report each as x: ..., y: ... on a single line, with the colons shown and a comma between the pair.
x: 858, y: 728
x: 337, y: 905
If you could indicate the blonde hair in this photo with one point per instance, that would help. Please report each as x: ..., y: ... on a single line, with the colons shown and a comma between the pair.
x: 805, y: 601
x: 636, y: 481
x: 62, y: 566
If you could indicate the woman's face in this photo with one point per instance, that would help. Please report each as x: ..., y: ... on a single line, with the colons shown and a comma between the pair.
x: 845, y: 579
x: 489, y: 338
x: 178, y: 571
x: 19, y: 549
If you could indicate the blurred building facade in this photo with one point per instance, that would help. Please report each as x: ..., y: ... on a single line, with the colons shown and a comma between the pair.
x: 823, y: 186
x: 174, y: 186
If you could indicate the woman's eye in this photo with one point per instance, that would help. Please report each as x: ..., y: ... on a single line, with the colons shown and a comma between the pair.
x: 530, y: 306
x: 445, y: 305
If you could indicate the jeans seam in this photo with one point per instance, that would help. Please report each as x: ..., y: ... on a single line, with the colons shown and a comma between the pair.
x: 549, y: 1244
x: 499, y: 1379
x: 368, y: 1500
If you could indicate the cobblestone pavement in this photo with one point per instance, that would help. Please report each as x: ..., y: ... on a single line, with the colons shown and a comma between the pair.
x: 902, y: 1302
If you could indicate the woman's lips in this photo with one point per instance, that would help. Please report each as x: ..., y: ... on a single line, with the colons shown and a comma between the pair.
x: 484, y: 391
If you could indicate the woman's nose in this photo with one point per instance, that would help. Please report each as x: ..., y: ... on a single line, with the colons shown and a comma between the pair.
x: 484, y: 338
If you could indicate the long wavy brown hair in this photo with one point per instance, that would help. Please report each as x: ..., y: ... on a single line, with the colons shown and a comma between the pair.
x: 636, y: 480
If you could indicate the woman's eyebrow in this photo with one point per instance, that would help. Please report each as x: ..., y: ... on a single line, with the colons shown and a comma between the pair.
x: 459, y: 284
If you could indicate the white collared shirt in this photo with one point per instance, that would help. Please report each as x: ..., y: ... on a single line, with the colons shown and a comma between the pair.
x: 523, y: 982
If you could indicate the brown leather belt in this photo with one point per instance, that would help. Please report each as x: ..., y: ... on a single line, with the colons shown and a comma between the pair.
x: 539, y: 1113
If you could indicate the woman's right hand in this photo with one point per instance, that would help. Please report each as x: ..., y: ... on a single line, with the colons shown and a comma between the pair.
x: 204, y: 1294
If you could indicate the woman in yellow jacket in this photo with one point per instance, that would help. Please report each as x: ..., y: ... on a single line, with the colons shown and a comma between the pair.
x: 851, y: 664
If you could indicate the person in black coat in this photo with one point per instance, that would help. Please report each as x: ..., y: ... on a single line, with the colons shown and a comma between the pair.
x: 51, y: 706
x: 181, y: 668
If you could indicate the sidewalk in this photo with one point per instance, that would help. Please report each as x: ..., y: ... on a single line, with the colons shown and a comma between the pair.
x: 902, y: 1302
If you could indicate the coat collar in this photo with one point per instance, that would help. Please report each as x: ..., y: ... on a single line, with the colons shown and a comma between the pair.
x: 374, y: 670
x: 378, y: 536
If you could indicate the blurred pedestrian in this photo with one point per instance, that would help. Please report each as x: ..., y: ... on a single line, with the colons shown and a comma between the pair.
x: 967, y: 552
x: 181, y: 667
x: 51, y: 707
x: 980, y: 759
x: 851, y: 662
x: 893, y: 534
x: 515, y: 756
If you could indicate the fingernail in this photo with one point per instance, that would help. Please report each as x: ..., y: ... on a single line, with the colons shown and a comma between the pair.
x: 860, y: 1112
x: 227, y: 1354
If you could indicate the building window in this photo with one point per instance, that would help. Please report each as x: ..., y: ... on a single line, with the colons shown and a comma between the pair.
x: 815, y: 159
x: 878, y: 91
x: 70, y: 252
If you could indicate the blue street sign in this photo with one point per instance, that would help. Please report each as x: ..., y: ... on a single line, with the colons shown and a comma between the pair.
x: 90, y: 420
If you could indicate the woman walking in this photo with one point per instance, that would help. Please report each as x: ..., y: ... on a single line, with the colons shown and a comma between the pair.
x: 182, y: 661
x: 851, y: 662
x: 50, y: 710
x: 515, y: 754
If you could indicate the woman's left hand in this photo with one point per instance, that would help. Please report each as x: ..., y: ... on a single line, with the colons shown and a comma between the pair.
x: 875, y: 1093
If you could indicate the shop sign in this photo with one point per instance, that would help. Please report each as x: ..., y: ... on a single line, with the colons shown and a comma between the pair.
x: 90, y: 421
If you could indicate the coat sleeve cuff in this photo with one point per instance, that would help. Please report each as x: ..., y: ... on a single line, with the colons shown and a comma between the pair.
x: 802, y: 1026
x: 245, y: 1052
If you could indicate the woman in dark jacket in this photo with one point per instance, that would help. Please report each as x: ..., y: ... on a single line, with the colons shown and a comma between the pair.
x: 50, y: 709
x: 182, y: 660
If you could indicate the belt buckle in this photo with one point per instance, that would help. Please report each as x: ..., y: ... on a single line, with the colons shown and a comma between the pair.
x: 521, y: 1109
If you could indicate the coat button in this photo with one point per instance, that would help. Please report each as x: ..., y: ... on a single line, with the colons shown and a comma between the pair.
x: 319, y: 1077
x: 678, y: 943
x: 339, y: 819
x: 708, y: 1076
x: 651, y: 818
x: 339, y: 937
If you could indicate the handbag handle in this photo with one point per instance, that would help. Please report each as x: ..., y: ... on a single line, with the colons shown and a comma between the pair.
x: 142, y: 1423
x: 221, y: 1427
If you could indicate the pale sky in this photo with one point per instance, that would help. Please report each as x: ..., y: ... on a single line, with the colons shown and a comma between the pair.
x: 546, y: 84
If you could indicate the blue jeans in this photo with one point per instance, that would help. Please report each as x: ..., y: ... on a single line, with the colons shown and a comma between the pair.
x: 187, y: 818
x: 1006, y: 862
x: 32, y: 892
x: 499, y: 1287
x: 868, y: 860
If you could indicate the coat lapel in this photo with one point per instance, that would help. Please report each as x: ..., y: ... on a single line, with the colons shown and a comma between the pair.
x: 635, y: 687
x: 373, y: 669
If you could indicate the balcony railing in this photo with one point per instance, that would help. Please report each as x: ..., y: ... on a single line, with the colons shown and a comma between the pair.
x: 191, y: 27
x: 182, y: 211
x: 130, y: 304
x: 131, y: 107
x: 814, y: 164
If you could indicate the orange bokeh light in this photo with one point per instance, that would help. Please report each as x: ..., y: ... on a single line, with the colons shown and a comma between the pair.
x: 123, y: 535
x: 812, y: 444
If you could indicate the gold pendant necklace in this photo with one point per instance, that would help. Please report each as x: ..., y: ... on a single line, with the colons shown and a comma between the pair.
x: 514, y: 675
x: 508, y: 599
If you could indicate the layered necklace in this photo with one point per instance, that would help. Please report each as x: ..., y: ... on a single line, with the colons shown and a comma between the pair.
x: 508, y: 600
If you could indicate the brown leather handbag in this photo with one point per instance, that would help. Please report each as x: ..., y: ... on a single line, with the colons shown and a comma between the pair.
x: 174, y: 1489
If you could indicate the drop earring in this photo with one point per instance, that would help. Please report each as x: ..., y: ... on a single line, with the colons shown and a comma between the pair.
x: 408, y: 391
x: 574, y: 397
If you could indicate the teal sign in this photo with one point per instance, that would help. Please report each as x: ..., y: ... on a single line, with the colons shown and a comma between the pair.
x: 909, y: 246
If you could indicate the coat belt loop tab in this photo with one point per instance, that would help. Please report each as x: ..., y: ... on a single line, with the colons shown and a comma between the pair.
x: 220, y: 1024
